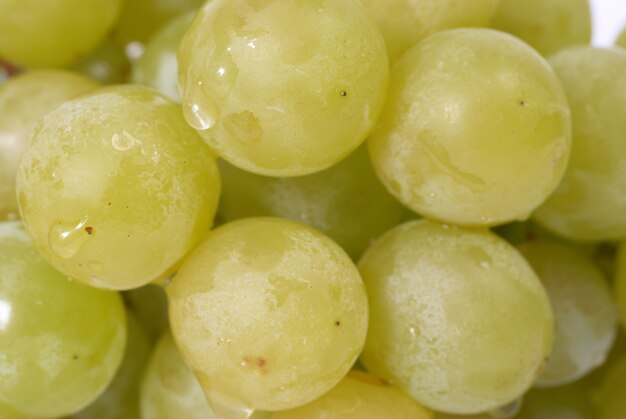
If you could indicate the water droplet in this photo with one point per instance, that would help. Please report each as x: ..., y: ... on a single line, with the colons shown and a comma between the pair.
x: 413, y: 331
x: 508, y: 410
x: 123, y: 142
x: 67, y: 238
x: 199, y: 110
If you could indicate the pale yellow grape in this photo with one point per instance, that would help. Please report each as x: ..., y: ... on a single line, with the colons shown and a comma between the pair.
x: 141, y: 19
x: 405, y: 22
x: 61, y: 342
x: 346, y: 202
x: 589, y: 204
x: 359, y: 396
x: 476, y: 130
x: 108, y: 63
x: 546, y: 25
x: 585, y: 314
x: 158, y: 66
x: 116, y: 188
x: 121, y: 398
x: 609, y: 398
x: 53, y: 33
x: 169, y: 388
x: 269, y: 313
x: 24, y: 100
x: 458, y: 319
x: 149, y: 304
x: 283, y: 88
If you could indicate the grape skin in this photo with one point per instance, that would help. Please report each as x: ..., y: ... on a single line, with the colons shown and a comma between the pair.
x: 270, y: 314
x: 283, y: 88
x: 24, y: 100
x: 476, y: 130
x: 116, y: 189
x: 458, y: 319
x: 546, y: 25
x: 60, y: 342
x: 54, y: 33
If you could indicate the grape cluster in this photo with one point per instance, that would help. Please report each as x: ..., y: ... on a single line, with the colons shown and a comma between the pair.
x: 311, y: 209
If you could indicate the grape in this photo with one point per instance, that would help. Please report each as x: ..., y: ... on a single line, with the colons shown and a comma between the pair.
x: 56, y: 33
x: 283, y: 88
x: 620, y: 282
x: 24, y: 100
x: 115, y: 188
x: 60, y: 342
x: 359, y: 396
x: 107, y: 64
x: 158, y: 66
x: 476, y: 130
x: 585, y: 314
x: 141, y: 19
x: 547, y: 25
x: 588, y: 204
x: 121, y: 399
x: 346, y: 202
x: 149, y: 304
x: 269, y: 313
x: 610, y: 399
x: 405, y: 22
x: 458, y: 319
x: 169, y: 389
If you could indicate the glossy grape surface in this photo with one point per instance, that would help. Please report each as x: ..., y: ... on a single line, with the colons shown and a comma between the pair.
x: 56, y: 33
x: 61, y: 342
x: 588, y: 204
x: 476, y: 130
x: 458, y: 319
x: 283, y: 88
x: 269, y: 313
x: 115, y: 188
x: 24, y: 100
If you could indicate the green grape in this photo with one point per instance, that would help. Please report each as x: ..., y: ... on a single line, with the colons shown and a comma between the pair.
x: 169, y: 388
x: 359, y: 396
x: 269, y: 313
x: 107, y: 64
x: 621, y: 39
x: 283, y: 88
x: 149, y: 304
x: 405, y: 22
x: 121, y: 399
x: 567, y: 402
x: 458, y: 319
x: 588, y: 204
x: 609, y: 398
x: 346, y: 202
x: 476, y: 130
x: 55, y: 33
x: 24, y: 100
x: 546, y: 25
x: 158, y: 66
x: 116, y: 188
x: 61, y: 342
x: 585, y: 314
x: 141, y: 19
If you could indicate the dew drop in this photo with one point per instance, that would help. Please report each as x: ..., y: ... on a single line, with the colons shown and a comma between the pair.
x: 199, y: 110
x: 66, y: 238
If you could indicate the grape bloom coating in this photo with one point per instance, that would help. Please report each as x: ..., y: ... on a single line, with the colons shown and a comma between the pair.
x: 269, y: 313
x: 458, y: 319
x: 476, y: 129
x: 283, y: 88
x: 116, y: 188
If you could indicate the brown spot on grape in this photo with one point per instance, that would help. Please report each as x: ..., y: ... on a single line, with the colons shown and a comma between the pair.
x: 75, y: 357
x: 258, y: 362
x: 337, y: 323
x: 344, y: 93
x: 522, y: 103
x: 89, y: 230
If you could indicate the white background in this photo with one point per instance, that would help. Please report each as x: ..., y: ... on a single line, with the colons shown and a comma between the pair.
x: 609, y: 17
